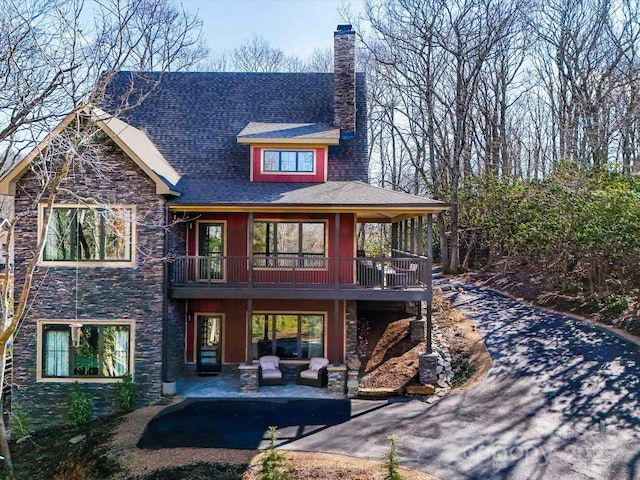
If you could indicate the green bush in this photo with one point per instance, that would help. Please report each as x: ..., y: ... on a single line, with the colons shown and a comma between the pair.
x: 272, y: 462
x: 126, y: 392
x: 616, y: 305
x: 463, y: 368
x: 80, y: 407
x: 391, y: 461
x: 20, y: 424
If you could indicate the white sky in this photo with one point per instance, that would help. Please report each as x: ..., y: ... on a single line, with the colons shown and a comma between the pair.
x: 294, y: 26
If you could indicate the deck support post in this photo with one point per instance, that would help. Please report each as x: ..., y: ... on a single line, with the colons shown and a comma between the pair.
x: 429, y: 281
x: 249, y: 329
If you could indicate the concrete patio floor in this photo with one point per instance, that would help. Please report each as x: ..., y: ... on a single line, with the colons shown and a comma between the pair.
x: 227, y: 385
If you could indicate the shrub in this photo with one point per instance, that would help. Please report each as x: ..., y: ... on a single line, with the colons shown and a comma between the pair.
x: 391, y: 461
x: 272, y: 462
x: 80, y: 408
x: 126, y: 392
x: 20, y: 424
x: 463, y: 369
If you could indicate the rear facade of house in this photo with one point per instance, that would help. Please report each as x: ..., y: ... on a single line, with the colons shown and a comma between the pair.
x: 224, y: 227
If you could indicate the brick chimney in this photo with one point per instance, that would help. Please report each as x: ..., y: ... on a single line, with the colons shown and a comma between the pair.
x: 344, y: 80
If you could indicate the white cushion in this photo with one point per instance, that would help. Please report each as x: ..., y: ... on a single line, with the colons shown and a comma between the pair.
x: 271, y: 373
x: 316, y: 363
x: 270, y: 358
x: 309, y: 373
x: 267, y: 365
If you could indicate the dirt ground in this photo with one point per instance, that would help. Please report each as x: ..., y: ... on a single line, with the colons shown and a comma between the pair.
x: 389, y: 357
x: 106, y: 449
x: 525, y: 283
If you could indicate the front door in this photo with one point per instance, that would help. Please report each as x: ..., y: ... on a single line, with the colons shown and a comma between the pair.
x: 209, y: 340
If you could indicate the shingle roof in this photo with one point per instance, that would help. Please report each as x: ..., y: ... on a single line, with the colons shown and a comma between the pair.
x: 332, y: 193
x: 194, y: 119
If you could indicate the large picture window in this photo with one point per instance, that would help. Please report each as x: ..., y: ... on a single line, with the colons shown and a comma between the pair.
x: 98, y: 351
x: 89, y: 234
x: 289, y: 244
x: 290, y: 336
x: 288, y: 161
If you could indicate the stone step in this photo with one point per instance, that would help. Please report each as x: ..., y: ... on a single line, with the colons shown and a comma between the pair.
x: 380, y: 392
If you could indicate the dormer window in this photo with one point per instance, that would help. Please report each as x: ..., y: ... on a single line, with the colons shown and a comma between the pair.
x: 289, y: 152
x: 288, y: 161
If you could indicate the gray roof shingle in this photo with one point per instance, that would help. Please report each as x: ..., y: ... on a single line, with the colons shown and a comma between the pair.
x: 194, y: 119
x: 332, y: 193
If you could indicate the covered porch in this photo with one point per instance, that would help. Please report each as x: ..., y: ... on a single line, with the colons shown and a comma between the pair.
x: 229, y: 385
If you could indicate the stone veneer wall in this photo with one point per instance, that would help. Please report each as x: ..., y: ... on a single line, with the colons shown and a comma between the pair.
x: 104, y: 293
x: 344, y: 96
x: 176, y: 324
x: 351, y: 320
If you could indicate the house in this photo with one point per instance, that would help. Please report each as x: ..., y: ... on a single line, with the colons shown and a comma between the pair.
x: 220, y: 227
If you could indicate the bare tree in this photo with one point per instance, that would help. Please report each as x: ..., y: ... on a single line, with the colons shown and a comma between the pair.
x: 320, y: 60
x: 51, y: 64
x: 435, y: 53
x: 257, y: 55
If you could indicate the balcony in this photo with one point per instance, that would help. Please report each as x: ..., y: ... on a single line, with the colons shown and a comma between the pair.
x: 309, y: 277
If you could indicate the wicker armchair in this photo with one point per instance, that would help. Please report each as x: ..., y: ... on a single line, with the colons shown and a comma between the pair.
x: 316, y: 375
x: 269, y: 372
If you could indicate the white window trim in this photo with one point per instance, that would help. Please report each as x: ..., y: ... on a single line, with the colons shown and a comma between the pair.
x: 263, y: 150
x: 40, y: 344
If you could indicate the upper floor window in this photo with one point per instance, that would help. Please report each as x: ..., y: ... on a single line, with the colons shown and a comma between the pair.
x: 288, y: 161
x: 289, y: 244
x: 89, y: 234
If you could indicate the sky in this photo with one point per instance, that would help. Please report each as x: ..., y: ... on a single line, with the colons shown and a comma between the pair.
x: 294, y: 26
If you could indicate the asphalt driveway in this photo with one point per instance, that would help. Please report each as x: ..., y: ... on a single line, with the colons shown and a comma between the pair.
x: 561, y: 401
x: 239, y: 423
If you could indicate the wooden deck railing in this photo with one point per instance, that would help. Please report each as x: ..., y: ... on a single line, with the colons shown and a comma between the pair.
x: 290, y: 271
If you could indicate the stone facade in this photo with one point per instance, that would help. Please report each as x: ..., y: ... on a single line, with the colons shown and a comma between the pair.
x: 344, y: 78
x: 337, y: 379
x: 92, y: 293
x: 418, y: 330
x: 351, y: 321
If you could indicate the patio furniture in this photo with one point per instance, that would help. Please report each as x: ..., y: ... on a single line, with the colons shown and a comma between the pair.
x: 269, y: 372
x: 403, y: 277
x: 316, y: 375
x: 369, y: 275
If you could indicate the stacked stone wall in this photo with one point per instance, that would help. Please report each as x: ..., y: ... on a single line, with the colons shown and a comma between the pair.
x: 92, y: 293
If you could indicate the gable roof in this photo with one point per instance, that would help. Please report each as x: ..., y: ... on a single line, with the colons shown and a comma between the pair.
x: 194, y: 119
x: 132, y: 141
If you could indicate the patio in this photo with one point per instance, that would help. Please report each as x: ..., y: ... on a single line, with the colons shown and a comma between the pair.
x: 227, y: 385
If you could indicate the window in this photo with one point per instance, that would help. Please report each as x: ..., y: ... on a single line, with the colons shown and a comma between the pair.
x: 289, y: 244
x: 290, y: 336
x: 89, y: 234
x: 285, y: 161
x: 101, y: 351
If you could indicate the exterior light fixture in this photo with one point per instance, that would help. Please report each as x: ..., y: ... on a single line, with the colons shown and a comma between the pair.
x: 76, y: 333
